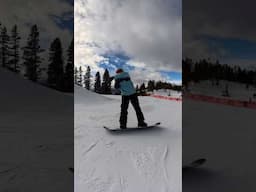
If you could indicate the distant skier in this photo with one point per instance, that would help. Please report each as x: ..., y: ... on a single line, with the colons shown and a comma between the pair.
x: 124, y: 84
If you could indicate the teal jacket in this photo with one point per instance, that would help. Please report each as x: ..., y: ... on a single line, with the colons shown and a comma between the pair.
x: 124, y: 84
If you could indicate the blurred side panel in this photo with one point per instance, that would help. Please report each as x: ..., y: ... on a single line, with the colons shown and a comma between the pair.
x: 219, y: 103
x: 36, y: 95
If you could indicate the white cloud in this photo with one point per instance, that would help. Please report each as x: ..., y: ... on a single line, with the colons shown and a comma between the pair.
x: 148, y: 31
x: 143, y: 75
x: 220, y: 20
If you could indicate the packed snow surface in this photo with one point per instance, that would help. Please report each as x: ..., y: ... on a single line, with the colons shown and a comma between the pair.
x: 36, y: 136
x: 145, y: 161
x: 167, y: 92
x: 236, y: 90
x: 224, y: 135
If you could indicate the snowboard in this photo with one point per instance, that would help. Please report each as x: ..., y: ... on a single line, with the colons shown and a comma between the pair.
x: 194, y: 164
x: 132, y: 128
x: 71, y: 169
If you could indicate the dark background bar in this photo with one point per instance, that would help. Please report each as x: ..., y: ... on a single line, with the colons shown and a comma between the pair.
x: 36, y: 114
x: 219, y: 103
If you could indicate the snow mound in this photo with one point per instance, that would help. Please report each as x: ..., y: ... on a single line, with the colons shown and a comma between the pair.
x: 36, y: 136
x: 84, y: 96
x: 24, y: 94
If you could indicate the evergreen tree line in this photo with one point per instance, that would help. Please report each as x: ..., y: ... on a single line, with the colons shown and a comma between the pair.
x: 102, y: 85
x: 207, y: 70
x: 84, y: 79
x: 59, y: 77
x: 9, y: 48
x: 156, y: 85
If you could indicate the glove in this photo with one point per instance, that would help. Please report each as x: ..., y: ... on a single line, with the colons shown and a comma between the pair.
x: 111, y: 78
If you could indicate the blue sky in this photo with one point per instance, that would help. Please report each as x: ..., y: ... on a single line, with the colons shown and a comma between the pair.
x: 65, y: 23
x: 230, y: 50
x: 234, y: 47
x: 66, y: 19
x: 114, y: 61
x: 172, y: 75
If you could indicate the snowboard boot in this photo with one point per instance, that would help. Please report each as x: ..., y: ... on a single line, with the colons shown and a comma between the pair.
x: 142, y: 124
x: 123, y: 127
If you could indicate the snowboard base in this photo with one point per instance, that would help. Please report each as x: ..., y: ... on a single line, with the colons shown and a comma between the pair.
x: 71, y: 169
x: 132, y: 128
x: 194, y: 164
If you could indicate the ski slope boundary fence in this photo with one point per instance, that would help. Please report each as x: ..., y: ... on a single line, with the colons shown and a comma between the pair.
x: 167, y: 98
x: 225, y: 101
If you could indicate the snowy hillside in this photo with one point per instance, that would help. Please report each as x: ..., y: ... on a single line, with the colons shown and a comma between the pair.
x: 236, y: 90
x: 83, y: 96
x: 225, y: 136
x: 36, y: 136
x: 167, y: 92
x: 144, y: 160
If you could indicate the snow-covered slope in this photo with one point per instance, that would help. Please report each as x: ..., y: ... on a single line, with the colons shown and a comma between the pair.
x: 90, y: 98
x: 225, y: 135
x: 36, y: 136
x: 236, y: 90
x: 166, y: 92
x: 146, y: 160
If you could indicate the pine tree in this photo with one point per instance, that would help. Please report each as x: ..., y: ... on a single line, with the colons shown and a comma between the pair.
x: 4, y: 43
x: 158, y: 85
x: 106, y: 84
x: 31, y: 56
x: 137, y: 89
x: 14, y: 50
x: 80, y: 77
x: 69, y: 70
x: 143, y: 88
x: 76, y: 76
x: 87, y: 78
x: 97, y: 84
x: 55, y: 67
x: 151, y: 85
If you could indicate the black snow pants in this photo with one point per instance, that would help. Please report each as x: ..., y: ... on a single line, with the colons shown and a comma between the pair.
x: 124, y: 107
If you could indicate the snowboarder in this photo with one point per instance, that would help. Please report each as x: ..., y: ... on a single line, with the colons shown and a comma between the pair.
x: 124, y: 84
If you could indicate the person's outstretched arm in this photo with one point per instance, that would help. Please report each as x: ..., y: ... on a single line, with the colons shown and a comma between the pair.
x: 111, y: 78
x: 116, y: 85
